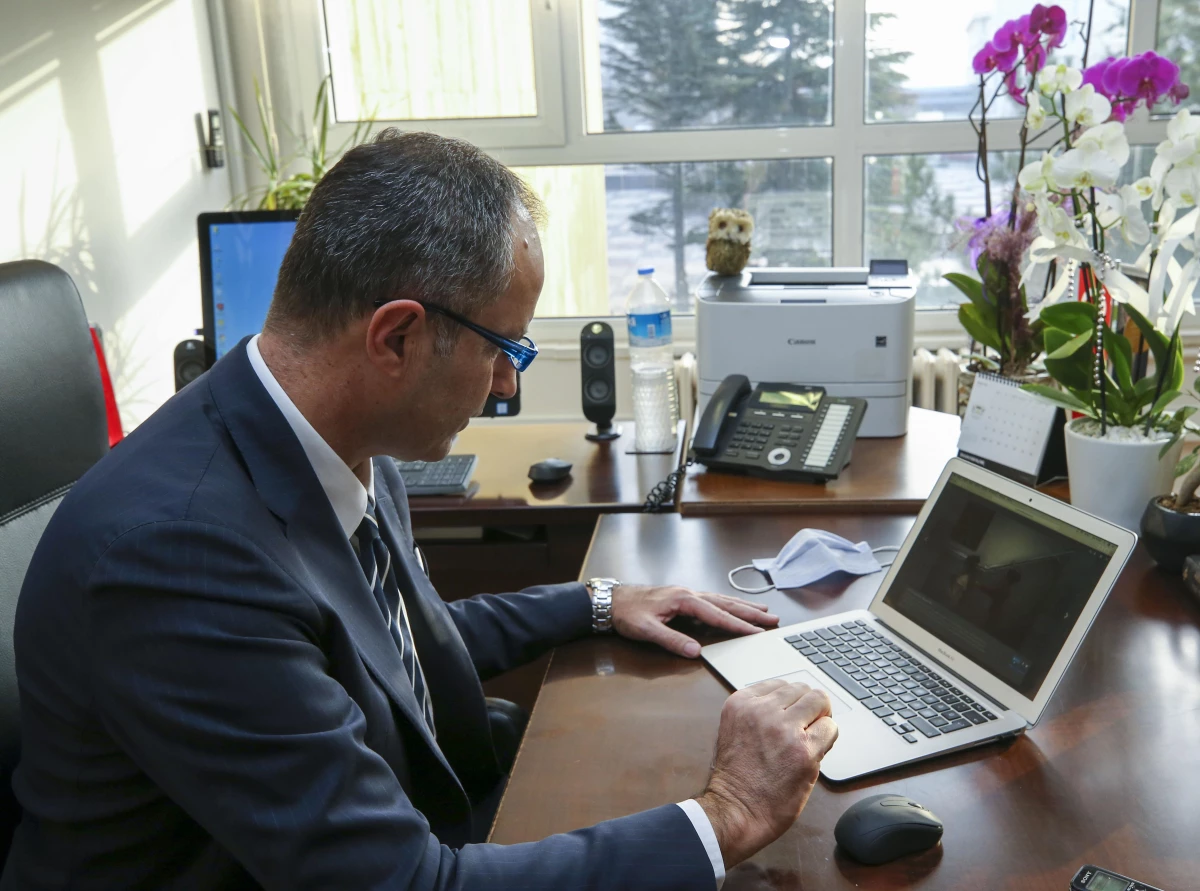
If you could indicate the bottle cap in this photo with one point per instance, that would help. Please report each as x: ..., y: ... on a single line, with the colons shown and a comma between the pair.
x: 646, y: 271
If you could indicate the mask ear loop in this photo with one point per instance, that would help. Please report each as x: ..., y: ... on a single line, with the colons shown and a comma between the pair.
x: 738, y: 569
x: 887, y: 548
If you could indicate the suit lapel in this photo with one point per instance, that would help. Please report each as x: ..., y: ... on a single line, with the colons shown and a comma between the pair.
x: 460, y: 709
x: 285, y: 479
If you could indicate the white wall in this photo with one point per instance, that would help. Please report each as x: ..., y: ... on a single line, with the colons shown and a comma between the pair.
x: 100, y: 168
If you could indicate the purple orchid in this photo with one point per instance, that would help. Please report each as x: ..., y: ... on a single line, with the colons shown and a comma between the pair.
x: 1051, y: 21
x: 985, y: 59
x: 1128, y: 82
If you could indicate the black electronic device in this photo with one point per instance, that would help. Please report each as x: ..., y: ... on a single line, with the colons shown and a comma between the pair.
x: 780, y: 431
x: 450, y: 476
x: 884, y: 827
x: 189, y: 362
x: 1093, y: 878
x: 597, y: 373
x: 550, y: 470
x: 503, y: 408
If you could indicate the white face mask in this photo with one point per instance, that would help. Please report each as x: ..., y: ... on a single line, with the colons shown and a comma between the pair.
x: 812, y: 554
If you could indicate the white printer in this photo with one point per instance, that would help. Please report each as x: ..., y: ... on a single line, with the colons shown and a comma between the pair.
x: 849, y: 330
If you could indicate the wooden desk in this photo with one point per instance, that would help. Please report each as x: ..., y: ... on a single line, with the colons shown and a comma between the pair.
x: 1110, y: 775
x: 605, y: 478
x: 884, y: 476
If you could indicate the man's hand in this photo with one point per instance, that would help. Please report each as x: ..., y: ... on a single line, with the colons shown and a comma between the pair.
x: 772, y: 738
x: 640, y: 612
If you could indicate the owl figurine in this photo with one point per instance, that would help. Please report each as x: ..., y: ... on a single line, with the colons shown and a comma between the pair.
x: 728, y: 245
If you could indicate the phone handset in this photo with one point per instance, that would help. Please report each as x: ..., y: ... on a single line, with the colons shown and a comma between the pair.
x: 727, y: 397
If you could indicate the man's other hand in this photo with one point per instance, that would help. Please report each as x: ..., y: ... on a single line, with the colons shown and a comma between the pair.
x: 770, y: 743
x: 641, y: 612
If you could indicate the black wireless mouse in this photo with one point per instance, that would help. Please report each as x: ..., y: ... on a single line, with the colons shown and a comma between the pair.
x: 549, y: 471
x: 884, y: 827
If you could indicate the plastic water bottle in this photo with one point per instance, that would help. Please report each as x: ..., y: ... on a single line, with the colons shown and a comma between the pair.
x: 652, y: 361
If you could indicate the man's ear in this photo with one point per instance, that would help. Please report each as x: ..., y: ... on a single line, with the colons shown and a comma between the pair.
x: 394, y: 335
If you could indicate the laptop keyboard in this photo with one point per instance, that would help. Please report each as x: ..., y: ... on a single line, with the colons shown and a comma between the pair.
x: 885, y: 678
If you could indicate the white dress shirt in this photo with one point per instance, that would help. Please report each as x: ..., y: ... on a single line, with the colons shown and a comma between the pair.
x: 348, y: 497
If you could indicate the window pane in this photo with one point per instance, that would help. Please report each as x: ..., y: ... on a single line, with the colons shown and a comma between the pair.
x: 431, y: 59
x: 919, y: 66
x: 1179, y: 41
x: 607, y: 222
x: 683, y: 64
x: 912, y: 202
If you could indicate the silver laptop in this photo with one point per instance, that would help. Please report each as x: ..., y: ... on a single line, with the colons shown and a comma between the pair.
x: 970, y: 632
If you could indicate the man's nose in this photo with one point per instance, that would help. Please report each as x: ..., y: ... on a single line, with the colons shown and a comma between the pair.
x: 504, y: 378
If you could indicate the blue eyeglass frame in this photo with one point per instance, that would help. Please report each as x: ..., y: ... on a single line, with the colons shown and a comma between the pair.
x: 519, y: 353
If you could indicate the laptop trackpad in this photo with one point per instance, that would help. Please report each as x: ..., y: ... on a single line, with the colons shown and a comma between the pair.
x: 806, y: 677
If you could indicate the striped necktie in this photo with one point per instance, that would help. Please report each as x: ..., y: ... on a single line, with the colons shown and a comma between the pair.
x: 381, y: 576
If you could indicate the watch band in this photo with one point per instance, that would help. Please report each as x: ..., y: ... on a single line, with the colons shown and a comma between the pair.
x: 600, y: 590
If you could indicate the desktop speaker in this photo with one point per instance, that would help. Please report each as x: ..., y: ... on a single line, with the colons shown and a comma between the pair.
x: 189, y: 362
x: 597, y: 372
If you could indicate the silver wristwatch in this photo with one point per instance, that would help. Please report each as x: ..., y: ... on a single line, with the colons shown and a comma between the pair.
x: 601, y: 594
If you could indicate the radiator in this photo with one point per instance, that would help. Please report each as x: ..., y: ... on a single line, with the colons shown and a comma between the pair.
x: 935, y: 380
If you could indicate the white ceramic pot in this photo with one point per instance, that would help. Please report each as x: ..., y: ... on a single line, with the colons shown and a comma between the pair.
x: 1114, y: 480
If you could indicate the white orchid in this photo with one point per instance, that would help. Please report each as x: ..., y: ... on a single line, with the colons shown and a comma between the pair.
x: 1145, y: 187
x: 1038, y: 176
x: 1086, y: 108
x: 1123, y: 210
x: 1059, y: 78
x: 1109, y: 138
x: 1035, y: 115
x: 1183, y: 185
x: 1056, y: 225
x: 1088, y: 167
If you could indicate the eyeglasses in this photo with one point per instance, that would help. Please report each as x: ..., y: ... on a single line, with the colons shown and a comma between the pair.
x: 520, y: 353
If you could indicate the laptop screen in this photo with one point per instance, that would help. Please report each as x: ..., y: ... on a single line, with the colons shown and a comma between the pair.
x: 998, y: 580
x: 244, y: 259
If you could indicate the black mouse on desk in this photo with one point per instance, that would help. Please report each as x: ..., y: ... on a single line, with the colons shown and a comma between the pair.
x: 884, y: 827
x: 549, y: 471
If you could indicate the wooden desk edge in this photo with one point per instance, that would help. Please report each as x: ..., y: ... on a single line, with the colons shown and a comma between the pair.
x: 904, y: 506
x: 549, y: 662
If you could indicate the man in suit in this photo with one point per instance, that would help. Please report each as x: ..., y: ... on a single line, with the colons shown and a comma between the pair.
x: 233, y: 670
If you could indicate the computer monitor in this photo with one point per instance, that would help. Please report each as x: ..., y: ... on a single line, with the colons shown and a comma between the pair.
x: 240, y: 255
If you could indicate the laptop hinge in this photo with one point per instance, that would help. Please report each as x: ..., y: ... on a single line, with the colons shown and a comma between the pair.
x: 999, y: 705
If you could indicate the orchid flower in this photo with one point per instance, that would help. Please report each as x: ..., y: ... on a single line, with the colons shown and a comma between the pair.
x: 1085, y: 107
x: 1035, y: 115
x: 1123, y: 210
x: 1108, y: 138
x: 1038, y: 176
x: 1088, y: 167
x: 1060, y: 78
x: 1183, y: 185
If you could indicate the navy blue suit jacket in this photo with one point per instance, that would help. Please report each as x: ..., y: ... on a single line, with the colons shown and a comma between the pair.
x: 211, y: 698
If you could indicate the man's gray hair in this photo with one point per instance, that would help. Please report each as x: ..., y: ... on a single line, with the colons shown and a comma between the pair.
x: 408, y: 215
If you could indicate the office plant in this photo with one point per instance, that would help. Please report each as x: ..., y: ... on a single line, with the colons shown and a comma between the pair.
x: 284, y: 190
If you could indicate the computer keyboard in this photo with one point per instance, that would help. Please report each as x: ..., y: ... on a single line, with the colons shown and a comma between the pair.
x: 450, y: 476
x: 888, y: 680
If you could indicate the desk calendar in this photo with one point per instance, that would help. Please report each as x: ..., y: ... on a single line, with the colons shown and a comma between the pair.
x: 1013, y: 432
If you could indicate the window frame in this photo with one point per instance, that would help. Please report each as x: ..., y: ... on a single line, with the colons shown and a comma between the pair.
x: 559, y: 135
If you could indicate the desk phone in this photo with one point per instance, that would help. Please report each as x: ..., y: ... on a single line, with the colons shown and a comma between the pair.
x: 780, y: 431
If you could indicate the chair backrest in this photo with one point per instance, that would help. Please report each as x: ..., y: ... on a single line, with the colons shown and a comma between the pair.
x: 52, y: 429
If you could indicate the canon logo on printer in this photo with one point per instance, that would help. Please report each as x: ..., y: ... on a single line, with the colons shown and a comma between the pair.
x: 795, y: 341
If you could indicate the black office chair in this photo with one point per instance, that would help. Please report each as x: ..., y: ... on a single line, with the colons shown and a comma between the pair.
x: 52, y: 429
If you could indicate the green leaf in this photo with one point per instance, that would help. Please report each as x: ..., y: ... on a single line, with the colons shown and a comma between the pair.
x: 1120, y: 353
x: 1058, y: 397
x: 1071, y: 346
x: 1073, y: 316
x: 1155, y: 339
x: 1074, y: 372
x: 1186, y: 463
x: 971, y: 287
x: 1164, y: 400
x: 979, y: 327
